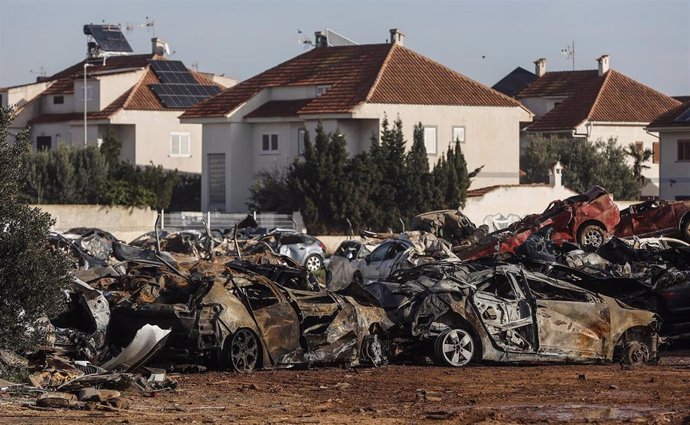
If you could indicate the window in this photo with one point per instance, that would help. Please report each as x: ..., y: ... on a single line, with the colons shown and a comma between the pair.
x: 179, y: 144
x: 260, y: 296
x: 639, y: 146
x: 656, y: 153
x: 301, y: 135
x: 269, y: 143
x: 58, y: 100
x: 43, y: 143
x: 430, y: 140
x: 321, y: 90
x: 459, y: 134
x: 684, y: 150
x: 216, y: 178
x: 379, y: 254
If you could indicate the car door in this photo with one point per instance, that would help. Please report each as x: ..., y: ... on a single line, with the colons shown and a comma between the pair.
x: 390, y: 261
x: 651, y: 217
x: 571, y: 322
x: 506, y: 313
x: 275, y: 318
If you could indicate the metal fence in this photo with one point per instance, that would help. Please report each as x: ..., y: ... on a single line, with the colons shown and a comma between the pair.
x: 217, y: 220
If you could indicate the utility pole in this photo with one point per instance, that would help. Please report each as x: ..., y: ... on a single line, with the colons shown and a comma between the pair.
x: 86, y: 65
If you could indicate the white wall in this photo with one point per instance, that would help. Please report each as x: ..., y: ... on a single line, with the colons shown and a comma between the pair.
x: 625, y: 135
x: 509, y: 204
x: 113, y: 86
x: 153, y: 130
x: 674, y: 175
x: 492, y: 135
x: 541, y: 105
x: 49, y: 106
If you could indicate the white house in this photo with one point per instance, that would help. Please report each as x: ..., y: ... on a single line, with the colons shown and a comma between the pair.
x: 259, y: 124
x: 596, y: 104
x: 674, y: 135
x: 127, y: 93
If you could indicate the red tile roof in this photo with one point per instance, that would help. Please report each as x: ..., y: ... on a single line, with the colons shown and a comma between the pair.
x: 375, y: 73
x: 612, y: 97
x: 278, y: 108
x: 139, y: 97
x: 667, y: 119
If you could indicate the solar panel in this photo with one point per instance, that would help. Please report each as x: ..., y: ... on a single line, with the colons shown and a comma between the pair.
x: 684, y: 117
x: 183, y: 95
x: 108, y: 37
x: 172, y: 72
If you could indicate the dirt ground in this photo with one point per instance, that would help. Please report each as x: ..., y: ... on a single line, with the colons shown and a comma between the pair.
x: 406, y: 394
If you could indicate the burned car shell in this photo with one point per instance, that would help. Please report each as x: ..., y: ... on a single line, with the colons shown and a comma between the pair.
x: 343, y: 263
x: 655, y: 218
x: 510, y: 315
x: 244, y: 321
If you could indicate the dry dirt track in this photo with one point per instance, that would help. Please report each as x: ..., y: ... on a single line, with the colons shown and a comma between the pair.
x: 405, y: 394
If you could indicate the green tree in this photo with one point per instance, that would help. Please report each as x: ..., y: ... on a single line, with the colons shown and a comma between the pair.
x: 640, y: 157
x: 271, y: 192
x: 418, y: 179
x: 585, y: 164
x: 32, y: 274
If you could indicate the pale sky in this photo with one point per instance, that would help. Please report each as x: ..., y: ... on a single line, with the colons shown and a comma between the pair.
x: 647, y: 40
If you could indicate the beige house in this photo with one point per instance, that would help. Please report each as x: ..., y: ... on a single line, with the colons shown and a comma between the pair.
x: 674, y: 135
x: 596, y: 104
x: 126, y: 93
x: 260, y: 123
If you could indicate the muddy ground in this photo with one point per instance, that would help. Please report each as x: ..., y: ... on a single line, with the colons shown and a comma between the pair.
x: 407, y: 394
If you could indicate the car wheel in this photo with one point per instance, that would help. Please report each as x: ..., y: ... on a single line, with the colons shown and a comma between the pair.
x: 243, y: 351
x: 358, y: 279
x: 313, y: 263
x: 685, y: 229
x: 636, y: 353
x: 591, y: 235
x: 455, y: 347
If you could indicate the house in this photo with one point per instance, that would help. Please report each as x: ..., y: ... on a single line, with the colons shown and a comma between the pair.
x: 137, y: 96
x: 260, y: 123
x: 674, y: 142
x: 596, y: 104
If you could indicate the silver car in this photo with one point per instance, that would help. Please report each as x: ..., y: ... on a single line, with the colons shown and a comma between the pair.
x: 304, y: 249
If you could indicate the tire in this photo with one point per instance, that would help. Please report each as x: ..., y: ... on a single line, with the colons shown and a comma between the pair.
x: 685, y: 229
x: 243, y: 351
x: 455, y: 347
x: 592, y: 236
x: 313, y: 263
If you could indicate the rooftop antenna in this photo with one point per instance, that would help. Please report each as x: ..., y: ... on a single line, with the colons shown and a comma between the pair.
x: 303, y: 40
x: 569, y: 52
x: 41, y: 72
x: 149, y: 24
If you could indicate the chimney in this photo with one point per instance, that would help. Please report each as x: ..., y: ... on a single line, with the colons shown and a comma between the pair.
x: 320, y: 39
x: 159, y: 47
x: 556, y: 175
x: 397, y: 37
x: 540, y: 67
x: 603, y: 64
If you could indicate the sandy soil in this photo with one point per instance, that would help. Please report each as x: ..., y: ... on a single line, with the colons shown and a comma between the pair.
x: 406, y: 394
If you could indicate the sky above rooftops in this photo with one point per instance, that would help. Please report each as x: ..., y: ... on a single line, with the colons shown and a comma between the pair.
x: 648, y: 41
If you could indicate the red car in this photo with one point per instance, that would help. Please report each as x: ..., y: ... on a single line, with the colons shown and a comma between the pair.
x: 586, y: 219
x: 655, y: 218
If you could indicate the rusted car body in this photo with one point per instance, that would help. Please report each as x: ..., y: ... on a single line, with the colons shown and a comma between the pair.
x: 507, y: 314
x: 451, y: 225
x: 234, y: 318
x: 655, y: 218
x: 585, y: 219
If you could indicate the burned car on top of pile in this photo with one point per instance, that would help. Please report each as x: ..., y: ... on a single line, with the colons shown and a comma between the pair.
x: 655, y: 218
x: 459, y: 314
x: 586, y: 219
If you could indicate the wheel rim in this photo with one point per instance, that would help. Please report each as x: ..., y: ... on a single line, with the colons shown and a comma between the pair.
x: 593, y: 237
x: 313, y: 263
x: 639, y: 353
x: 244, y: 351
x: 457, y: 347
